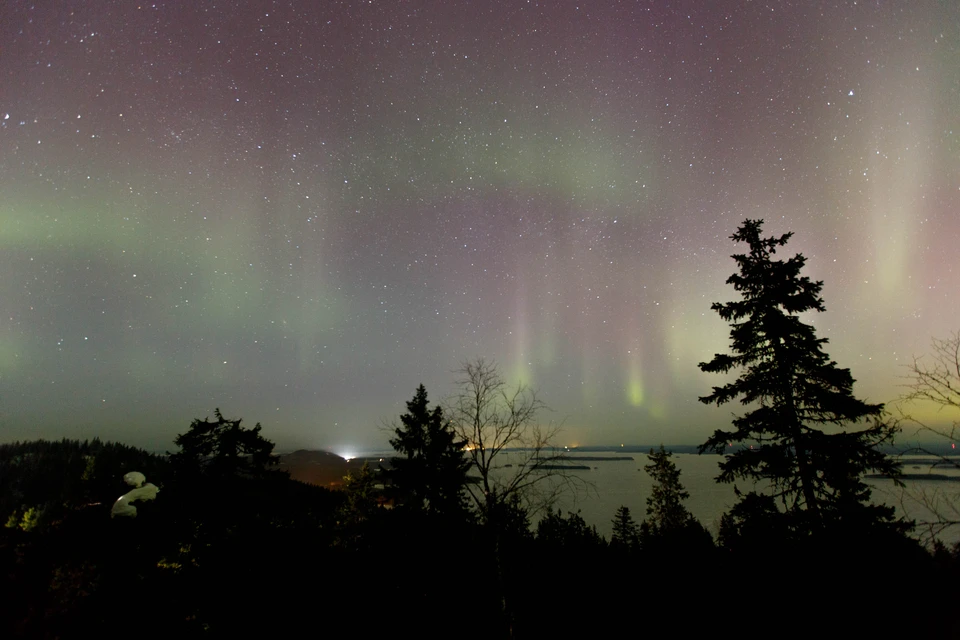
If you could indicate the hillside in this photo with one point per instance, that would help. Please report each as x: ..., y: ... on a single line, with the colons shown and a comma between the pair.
x: 321, y: 468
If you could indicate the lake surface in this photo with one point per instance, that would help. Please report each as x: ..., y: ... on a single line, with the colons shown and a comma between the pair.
x: 625, y: 483
x: 613, y: 483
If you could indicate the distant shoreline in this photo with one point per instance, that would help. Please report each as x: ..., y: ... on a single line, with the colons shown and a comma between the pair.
x: 937, y: 477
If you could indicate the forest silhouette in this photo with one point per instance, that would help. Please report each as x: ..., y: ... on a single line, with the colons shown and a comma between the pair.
x: 436, y: 543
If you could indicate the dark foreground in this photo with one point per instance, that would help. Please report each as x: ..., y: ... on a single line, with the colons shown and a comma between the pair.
x: 244, y: 557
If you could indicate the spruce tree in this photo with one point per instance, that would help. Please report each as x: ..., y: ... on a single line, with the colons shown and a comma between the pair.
x: 432, y: 471
x: 665, y: 511
x: 626, y: 532
x: 795, y: 440
x: 669, y: 528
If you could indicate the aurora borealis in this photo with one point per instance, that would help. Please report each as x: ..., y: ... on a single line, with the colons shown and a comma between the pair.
x: 298, y: 212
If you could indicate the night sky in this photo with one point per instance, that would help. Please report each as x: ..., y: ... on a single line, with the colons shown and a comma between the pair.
x: 298, y: 212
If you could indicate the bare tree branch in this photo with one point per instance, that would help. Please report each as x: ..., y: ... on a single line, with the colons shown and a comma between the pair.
x: 514, y: 455
x: 935, y: 379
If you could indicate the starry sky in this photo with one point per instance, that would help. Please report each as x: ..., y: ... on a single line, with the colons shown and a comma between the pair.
x: 299, y: 211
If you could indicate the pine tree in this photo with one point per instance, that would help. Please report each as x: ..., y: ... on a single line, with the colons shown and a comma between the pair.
x: 669, y: 528
x: 626, y: 532
x: 432, y: 471
x: 792, y: 441
x: 665, y: 510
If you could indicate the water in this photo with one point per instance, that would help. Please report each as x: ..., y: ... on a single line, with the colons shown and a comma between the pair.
x: 924, y: 500
x: 624, y: 483
x: 616, y: 483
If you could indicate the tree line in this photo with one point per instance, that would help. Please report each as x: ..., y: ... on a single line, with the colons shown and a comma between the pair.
x: 440, y: 542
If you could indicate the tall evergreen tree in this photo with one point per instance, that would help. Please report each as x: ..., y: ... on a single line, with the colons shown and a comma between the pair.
x: 800, y: 400
x: 665, y: 511
x: 432, y: 471
x: 626, y: 532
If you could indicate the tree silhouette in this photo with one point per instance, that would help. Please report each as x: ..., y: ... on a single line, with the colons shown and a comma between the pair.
x: 934, y: 381
x: 432, y: 471
x: 569, y: 535
x: 520, y: 467
x: 796, y: 393
x: 362, y: 497
x: 665, y: 510
x: 223, y: 449
x: 501, y: 429
x: 626, y: 532
x: 669, y: 527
